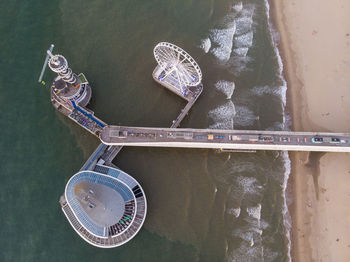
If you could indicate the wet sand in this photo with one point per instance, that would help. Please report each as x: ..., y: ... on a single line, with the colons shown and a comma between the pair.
x: 315, y: 48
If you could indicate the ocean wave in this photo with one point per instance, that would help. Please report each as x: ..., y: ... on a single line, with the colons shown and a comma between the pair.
x: 242, y: 51
x: 248, y: 11
x: 248, y: 185
x: 238, y: 64
x: 264, y: 224
x: 244, y: 116
x: 237, y: 7
x: 228, y: 125
x: 245, y: 235
x: 245, y: 40
x: 287, y: 163
x: 234, y: 211
x: 205, y: 45
x: 223, y: 38
x: 245, y: 252
x: 254, y: 211
x: 243, y: 166
x: 223, y: 116
x: 243, y: 24
x: 280, y: 91
x: 225, y: 87
x: 287, y: 120
x: 287, y: 221
x: 270, y: 255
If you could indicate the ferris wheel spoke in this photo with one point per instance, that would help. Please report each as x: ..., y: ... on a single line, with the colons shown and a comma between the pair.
x: 180, y: 81
x: 178, y: 56
x: 182, y: 61
x: 165, y: 56
x: 190, y: 71
x: 173, y: 54
x: 188, y: 76
x: 165, y: 53
x: 168, y: 73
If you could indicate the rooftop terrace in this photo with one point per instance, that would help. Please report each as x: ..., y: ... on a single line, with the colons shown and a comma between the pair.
x: 106, y: 206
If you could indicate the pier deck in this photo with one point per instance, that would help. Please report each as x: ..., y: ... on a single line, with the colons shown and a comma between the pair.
x: 187, y: 108
x: 226, y: 139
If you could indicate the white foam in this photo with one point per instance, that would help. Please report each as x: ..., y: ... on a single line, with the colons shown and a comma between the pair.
x: 245, y: 235
x: 270, y: 255
x: 205, y: 45
x: 244, y: 166
x: 238, y: 7
x: 248, y: 185
x: 238, y: 64
x: 287, y: 165
x: 223, y: 113
x: 251, y: 241
x: 244, y: 116
x: 234, y: 211
x: 254, y: 212
x: 287, y: 120
x: 242, y: 51
x: 245, y: 40
x: 223, y: 38
x: 243, y: 25
x: 228, y: 21
x: 222, y: 125
x: 286, y: 215
x: 248, y: 11
x: 246, y: 253
x: 225, y: 87
x: 264, y: 224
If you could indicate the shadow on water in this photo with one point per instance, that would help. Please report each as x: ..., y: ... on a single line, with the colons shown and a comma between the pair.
x: 313, y: 165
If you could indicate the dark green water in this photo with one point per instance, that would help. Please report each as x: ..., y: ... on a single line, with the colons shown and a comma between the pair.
x: 193, y: 195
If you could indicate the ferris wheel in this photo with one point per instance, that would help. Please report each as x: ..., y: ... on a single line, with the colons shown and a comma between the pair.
x: 179, y: 67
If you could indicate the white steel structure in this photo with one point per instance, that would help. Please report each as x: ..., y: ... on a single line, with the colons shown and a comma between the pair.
x: 106, y: 206
x: 59, y: 65
x: 179, y: 69
x: 68, y: 89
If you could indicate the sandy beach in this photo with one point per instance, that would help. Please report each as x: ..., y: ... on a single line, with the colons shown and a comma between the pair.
x: 315, y: 49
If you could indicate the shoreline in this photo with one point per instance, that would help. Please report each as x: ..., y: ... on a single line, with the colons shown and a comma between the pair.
x: 287, y: 220
x: 315, y: 232
x: 286, y: 55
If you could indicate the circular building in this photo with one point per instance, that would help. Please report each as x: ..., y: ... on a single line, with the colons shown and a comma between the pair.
x: 68, y: 89
x: 106, y: 207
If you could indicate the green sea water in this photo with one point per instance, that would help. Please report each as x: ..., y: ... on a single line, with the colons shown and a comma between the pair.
x: 193, y: 196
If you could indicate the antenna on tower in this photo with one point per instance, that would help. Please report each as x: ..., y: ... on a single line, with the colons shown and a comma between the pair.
x: 49, y: 53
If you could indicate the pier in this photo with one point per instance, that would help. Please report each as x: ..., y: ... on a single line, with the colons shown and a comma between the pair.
x: 226, y: 139
x: 86, y: 200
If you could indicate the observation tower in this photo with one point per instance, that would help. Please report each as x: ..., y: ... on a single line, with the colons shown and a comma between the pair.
x: 177, y: 71
x: 68, y: 89
x: 105, y: 206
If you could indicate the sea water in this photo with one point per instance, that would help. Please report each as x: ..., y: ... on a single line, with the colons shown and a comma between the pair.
x: 202, y: 205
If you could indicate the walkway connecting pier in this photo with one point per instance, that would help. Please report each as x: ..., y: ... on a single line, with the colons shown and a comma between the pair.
x: 226, y: 139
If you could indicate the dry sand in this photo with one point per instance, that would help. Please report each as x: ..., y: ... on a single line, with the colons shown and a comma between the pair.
x: 315, y: 47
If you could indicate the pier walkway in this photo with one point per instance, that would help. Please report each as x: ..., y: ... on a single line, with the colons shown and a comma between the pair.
x: 226, y: 139
x: 105, y: 154
x: 188, y: 106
